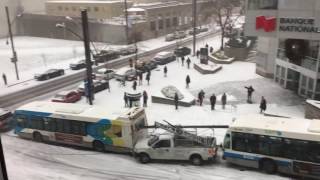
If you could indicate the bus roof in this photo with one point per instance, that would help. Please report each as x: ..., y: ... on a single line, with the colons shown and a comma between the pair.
x: 81, y: 112
x: 304, y: 129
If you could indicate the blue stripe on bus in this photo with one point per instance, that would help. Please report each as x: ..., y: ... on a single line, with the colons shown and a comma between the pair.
x: 99, y: 130
x: 32, y: 113
x: 253, y: 158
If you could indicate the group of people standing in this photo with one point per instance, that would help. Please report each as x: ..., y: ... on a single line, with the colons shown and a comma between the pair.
x: 129, y: 103
x: 213, y: 99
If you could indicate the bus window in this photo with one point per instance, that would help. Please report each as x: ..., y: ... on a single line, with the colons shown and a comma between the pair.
x: 75, y: 127
x: 238, y: 143
x: 67, y: 126
x: 226, y: 143
x: 21, y: 121
x: 37, y: 123
x: 83, y: 130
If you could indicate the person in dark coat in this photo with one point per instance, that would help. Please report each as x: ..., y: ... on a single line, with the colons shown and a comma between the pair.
x: 250, y: 91
x: 201, y: 97
x: 182, y: 60
x: 263, y: 105
x: 188, y: 81
x: 176, y: 100
x: 134, y: 85
x: 140, y: 76
x: 148, y: 77
x: 130, y: 63
x: 198, y: 53
x: 213, y: 101
x: 4, y: 77
x: 223, y: 100
x: 125, y: 98
x: 207, y: 45
x: 145, y: 98
x: 188, y: 62
x: 165, y: 71
x: 211, y: 49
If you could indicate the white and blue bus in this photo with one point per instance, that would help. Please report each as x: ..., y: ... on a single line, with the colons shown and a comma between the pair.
x: 275, y: 144
x: 81, y: 125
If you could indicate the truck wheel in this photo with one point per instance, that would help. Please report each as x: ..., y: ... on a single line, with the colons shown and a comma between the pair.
x: 268, y: 166
x: 144, y: 158
x: 196, y: 160
x: 37, y: 137
x: 98, y: 146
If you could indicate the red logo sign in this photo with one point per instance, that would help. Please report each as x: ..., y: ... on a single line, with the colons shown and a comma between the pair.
x: 266, y: 23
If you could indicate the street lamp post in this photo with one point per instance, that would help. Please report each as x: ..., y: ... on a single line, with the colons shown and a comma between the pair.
x: 194, y: 6
x: 14, y: 59
x: 86, y: 41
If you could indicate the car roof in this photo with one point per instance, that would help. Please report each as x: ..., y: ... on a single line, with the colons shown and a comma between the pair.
x: 64, y: 93
x: 163, y: 53
x: 123, y: 70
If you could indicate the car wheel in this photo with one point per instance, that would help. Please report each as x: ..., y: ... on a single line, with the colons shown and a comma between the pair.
x: 98, y: 146
x: 144, y: 158
x: 37, y: 137
x: 196, y: 160
x: 268, y: 166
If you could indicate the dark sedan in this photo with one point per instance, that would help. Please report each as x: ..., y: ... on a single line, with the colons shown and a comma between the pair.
x: 146, y: 66
x: 105, y: 56
x: 98, y: 85
x: 49, y: 74
x: 5, y: 120
x: 182, y: 51
x: 79, y: 65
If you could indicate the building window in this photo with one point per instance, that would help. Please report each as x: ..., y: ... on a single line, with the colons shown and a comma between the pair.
x: 66, y: 9
x: 96, y: 9
x: 168, y: 23
x: 262, y: 4
x: 74, y: 8
x: 60, y: 8
x: 88, y: 9
x: 180, y: 20
x: 175, y: 21
x: 160, y: 24
x: 152, y: 25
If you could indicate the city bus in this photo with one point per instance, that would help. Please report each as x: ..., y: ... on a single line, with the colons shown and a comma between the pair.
x: 80, y: 125
x: 274, y: 144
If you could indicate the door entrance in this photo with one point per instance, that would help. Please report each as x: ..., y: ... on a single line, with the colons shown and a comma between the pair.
x: 293, y: 78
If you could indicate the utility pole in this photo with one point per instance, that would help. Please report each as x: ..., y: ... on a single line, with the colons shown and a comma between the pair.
x: 126, y: 16
x: 194, y: 13
x: 14, y: 59
x: 86, y: 41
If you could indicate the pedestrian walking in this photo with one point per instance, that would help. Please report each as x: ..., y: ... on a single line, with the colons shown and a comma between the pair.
x: 198, y: 53
x: 207, y: 45
x: 140, y: 77
x: 145, y: 99
x: 165, y: 71
x: 4, y: 77
x: 263, y: 105
x: 211, y: 49
x: 134, y: 85
x: 176, y: 100
x: 182, y: 60
x: 148, y: 77
x: 125, y: 98
x: 108, y: 85
x: 224, y: 100
x: 131, y: 63
x: 201, y: 97
x: 213, y: 101
x: 250, y: 91
x: 188, y: 81
x: 188, y: 62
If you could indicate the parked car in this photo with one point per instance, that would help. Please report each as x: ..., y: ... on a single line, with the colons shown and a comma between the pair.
x: 51, y: 73
x: 131, y: 49
x: 180, y: 34
x: 105, y: 56
x: 170, y: 37
x: 105, y: 73
x: 79, y: 65
x: 98, y: 85
x: 204, y: 29
x: 164, y: 57
x: 5, y: 120
x: 182, y: 51
x: 145, y: 66
x: 125, y: 73
x: 67, y: 97
x: 197, y: 31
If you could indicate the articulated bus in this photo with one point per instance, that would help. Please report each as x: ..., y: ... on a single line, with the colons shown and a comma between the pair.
x: 274, y: 144
x: 81, y: 125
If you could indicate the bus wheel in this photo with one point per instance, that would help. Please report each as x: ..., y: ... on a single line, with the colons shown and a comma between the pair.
x: 196, y: 160
x: 37, y: 137
x: 144, y: 158
x: 98, y: 146
x: 268, y: 166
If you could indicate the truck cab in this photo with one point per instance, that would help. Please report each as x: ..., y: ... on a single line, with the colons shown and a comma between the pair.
x: 171, y: 147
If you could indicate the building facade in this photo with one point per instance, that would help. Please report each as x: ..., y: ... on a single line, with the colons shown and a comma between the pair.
x: 289, y: 42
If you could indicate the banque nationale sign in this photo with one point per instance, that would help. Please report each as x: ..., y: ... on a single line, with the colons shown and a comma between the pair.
x: 298, y: 25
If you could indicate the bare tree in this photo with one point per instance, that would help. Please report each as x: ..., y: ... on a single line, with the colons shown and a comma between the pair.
x: 224, y: 13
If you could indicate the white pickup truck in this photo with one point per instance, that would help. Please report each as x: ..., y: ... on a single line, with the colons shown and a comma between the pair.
x: 170, y: 147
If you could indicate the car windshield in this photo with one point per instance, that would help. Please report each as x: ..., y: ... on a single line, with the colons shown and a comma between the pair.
x: 152, y: 140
